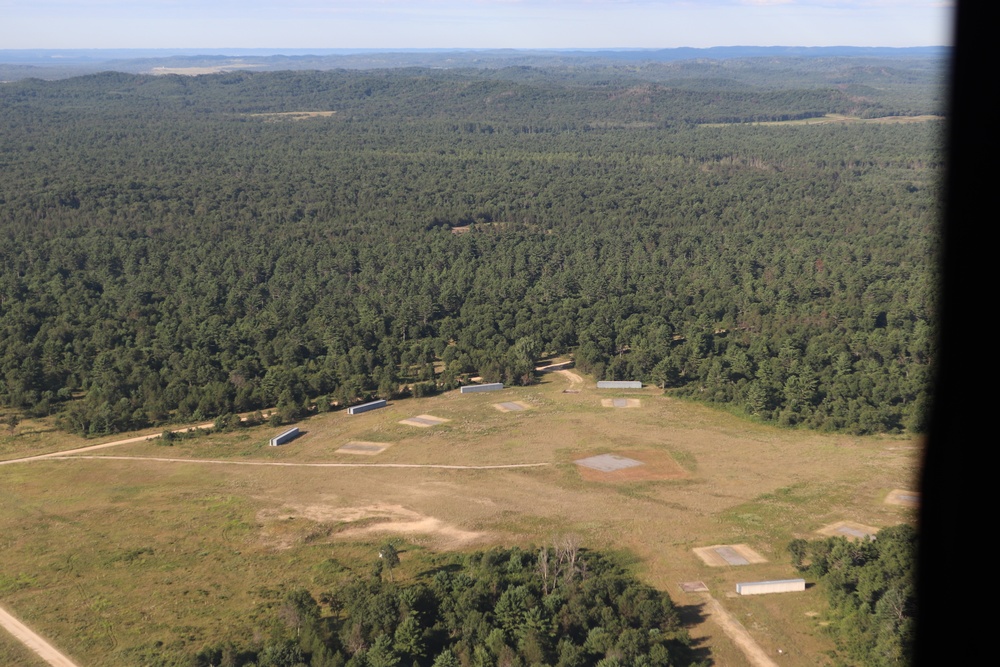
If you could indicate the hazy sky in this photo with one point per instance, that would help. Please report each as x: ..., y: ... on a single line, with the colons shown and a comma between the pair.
x: 470, y: 23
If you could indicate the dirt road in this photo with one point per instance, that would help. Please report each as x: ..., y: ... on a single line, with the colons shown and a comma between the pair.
x: 736, y: 632
x: 24, y: 634
x: 301, y: 465
x: 104, y: 445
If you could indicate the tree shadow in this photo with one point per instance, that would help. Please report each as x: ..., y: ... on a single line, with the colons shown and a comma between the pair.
x: 450, y: 568
x: 697, y: 651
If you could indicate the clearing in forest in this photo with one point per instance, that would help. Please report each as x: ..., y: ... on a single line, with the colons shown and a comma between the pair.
x: 109, y: 529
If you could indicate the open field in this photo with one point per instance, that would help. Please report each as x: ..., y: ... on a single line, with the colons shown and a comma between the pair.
x: 85, y: 540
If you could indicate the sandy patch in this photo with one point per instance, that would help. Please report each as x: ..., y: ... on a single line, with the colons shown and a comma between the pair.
x: 512, y: 406
x: 363, y: 448
x: 296, y: 115
x: 336, y: 522
x: 728, y: 555
x: 424, y: 421
x: 848, y: 529
x: 905, y: 498
x: 398, y: 520
x: 656, y: 465
x: 621, y: 402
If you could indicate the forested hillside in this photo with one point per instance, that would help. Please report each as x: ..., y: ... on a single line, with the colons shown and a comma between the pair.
x: 171, y: 249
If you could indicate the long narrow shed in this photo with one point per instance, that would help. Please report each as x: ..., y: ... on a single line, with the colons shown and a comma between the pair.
x: 777, y: 586
x: 474, y: 388
x: 287, y: 436
x: 619, y: 384
x: 365, y: 407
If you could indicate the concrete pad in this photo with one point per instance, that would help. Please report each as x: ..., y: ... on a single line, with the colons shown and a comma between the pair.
x: 608, y: 462
x: 621, y: 402
x: 905, y: 498
x: 728, y: 555
x: 511, y: 406
x: 424, y: 421
x: 693, y: 587
x: 363, y: 448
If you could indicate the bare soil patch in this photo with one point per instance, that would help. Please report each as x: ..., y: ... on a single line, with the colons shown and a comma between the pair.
x: 424, y: 421
x: 728, y: 555
x: 570, y: 375
x: 295, y: 115
x: 848, y: 529
x: 363, y: 448
x: 354, y: 522
x: 621, y: 402
x: 656, y: 466
x: 512, y: 406
x: 905, y: 498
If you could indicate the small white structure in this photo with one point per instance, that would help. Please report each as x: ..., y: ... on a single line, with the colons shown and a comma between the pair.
x: 365, y: 407
x: 619, y: 384
x: 473, y: 388
x: 777, y: 586
x: 287, y: 436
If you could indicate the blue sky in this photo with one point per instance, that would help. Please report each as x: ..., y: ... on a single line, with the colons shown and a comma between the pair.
x: 50, y: 24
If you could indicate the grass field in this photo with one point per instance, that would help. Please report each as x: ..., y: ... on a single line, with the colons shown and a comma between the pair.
x: 118, y: 559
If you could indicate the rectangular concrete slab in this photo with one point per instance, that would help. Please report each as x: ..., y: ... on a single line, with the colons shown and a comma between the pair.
x: 424, y: 421
x: 364, y: 448
x: 731, y: 556
x: 608, y: 462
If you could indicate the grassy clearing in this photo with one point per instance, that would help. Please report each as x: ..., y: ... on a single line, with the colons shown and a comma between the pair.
x: 832, y: 118
x: 86, y: 541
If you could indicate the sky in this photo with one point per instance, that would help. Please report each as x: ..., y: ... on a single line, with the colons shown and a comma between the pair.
x: 338, y: 24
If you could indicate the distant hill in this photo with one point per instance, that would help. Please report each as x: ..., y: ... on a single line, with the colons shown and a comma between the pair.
x: 51, y: 64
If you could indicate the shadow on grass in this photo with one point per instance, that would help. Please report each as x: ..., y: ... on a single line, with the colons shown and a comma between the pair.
x: 697, y: 651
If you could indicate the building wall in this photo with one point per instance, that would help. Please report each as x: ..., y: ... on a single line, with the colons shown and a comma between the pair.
x: 761, y: 587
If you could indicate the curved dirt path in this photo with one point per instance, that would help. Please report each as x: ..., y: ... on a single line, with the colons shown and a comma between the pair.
x: 301, y: 465
x: 32, y: 640
x: 571, y: 376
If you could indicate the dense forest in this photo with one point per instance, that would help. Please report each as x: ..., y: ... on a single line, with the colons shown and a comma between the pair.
x: 869, y: 584
x: 173, y: 248
x: 561, y: 606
